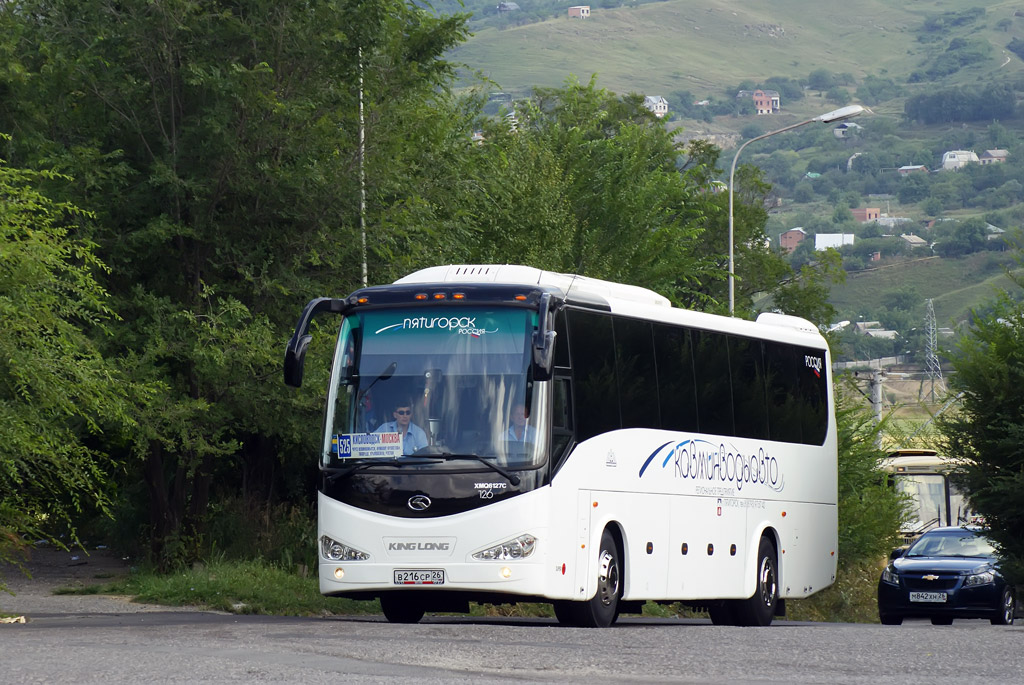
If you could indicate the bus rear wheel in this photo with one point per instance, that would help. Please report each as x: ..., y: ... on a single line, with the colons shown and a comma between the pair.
x: 759, y: 609
x: 399, y: 609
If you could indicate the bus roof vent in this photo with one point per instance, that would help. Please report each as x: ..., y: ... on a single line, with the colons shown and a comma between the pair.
x: 787, y: 321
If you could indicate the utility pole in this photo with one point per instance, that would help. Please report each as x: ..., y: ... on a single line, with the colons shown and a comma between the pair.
x: 875, y: 393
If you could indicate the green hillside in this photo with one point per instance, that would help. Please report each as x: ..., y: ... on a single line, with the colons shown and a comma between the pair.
x: 704, y: 46
x: 954, y: 285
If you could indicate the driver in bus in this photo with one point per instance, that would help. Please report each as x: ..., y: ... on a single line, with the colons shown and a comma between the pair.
x: 519, y: 431
x: 413, y: 437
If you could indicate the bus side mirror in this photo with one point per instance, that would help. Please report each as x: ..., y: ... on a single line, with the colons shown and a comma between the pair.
x: 543, y: 341
x: 295, y: 352
x: 295, y: 360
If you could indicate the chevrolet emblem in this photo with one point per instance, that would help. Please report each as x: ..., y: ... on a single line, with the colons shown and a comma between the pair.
x: 930, y: 577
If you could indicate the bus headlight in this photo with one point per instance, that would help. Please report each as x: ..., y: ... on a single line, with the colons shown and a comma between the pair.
x: 517, y: 548
x: 335, y: 551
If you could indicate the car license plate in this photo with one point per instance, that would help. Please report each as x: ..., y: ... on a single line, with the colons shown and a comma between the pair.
x: 928, y: 596
x: 419, y: 577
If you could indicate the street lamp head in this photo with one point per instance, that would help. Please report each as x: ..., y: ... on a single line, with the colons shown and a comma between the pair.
x: 841, y: 114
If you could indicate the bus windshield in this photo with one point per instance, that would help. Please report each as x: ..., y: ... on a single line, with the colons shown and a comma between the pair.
x: 435, y: 381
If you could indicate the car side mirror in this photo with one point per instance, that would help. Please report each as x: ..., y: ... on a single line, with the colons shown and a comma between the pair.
x: 897, y: 553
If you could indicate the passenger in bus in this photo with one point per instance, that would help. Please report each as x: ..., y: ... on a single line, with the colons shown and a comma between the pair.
x: 519, y: 431
x: 413, y: 437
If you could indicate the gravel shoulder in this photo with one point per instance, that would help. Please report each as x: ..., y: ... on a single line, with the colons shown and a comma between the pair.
x: 49, y: 569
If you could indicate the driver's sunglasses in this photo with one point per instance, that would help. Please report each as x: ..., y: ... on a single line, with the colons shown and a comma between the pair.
x: 403, y: 412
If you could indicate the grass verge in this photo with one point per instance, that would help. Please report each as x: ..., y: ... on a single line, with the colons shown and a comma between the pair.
x: 258, y: 587
x: 242, y: 587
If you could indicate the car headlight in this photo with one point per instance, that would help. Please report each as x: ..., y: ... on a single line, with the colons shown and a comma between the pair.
x: 980, y: 579
x: 517, y: 548
x: 335, y: 551
x: 890, y: 576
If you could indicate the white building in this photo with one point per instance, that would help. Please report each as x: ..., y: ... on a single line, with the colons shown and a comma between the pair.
x: 823, y: 241
x: 656, y: 104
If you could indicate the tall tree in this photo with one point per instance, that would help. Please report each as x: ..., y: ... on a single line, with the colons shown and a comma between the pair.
x: 988, y: 429
x: 218, y: 144
x: 57, y: 393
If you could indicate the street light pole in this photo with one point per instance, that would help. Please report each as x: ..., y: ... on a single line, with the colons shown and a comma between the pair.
x: 827, y: 118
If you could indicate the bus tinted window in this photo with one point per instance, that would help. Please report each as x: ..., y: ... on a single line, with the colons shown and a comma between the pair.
x: 677, y: 394
x: 748, y: 391
x: 595, y: 389
x: 638, y: 383
x: 714, y: 384
x: 813, y: 385
x: 785, y: 404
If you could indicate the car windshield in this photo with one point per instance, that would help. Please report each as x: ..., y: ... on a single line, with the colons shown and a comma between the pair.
x: 952, y: 543
x: 439, y: 381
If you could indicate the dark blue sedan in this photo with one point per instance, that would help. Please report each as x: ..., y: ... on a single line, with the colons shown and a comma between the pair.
x: 947, y: 573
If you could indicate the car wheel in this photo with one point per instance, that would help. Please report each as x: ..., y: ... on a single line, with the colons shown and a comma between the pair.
x: 942, y: 621
x: 1004, y: 615
x: 603, y: 607
x: 890, y: 619
x: 759, y: 609
x: 401, y: 610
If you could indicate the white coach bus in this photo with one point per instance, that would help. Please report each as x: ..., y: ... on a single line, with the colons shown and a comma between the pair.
x: 501, y: 434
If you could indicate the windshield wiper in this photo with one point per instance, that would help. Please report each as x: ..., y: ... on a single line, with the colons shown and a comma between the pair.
x: 333, y: 474
x: 511, y: 477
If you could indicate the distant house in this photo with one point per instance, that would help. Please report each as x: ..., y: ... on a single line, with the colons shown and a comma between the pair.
x: 823, y: 241
x: 893, y: 221
x: 910, y: 169
x: 993, y: 156
x: 508, y: 7
x: 958, y: 159
x: 841, y: 130
x: 914, y: 241
x: 865, y: 214
x: 791, y: 238
x: 766, y: 101
x: 656, y: 104
x: 579, y: 12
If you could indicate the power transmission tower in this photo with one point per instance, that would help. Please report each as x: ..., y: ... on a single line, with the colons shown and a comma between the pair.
x: 932, y: 352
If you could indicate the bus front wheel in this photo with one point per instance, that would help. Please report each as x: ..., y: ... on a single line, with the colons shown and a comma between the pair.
x: 399, y: 609
x: 601, y: 610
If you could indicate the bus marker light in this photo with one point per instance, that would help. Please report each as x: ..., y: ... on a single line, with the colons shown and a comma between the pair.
x: 595, y: 505
x: 732, y: 550
x: 339, y: 573
x: 563, y: 569
x: 684, y: 549
x: 420, y: 296
x: 506, y: 572
x: 458, y: 296
x: 521, y: 298
x: 711, y: 549
x: 362, y: 300
x: 583, y: 546
x: 439, y: 296
x: 650, y: 548
x: 783, y: 514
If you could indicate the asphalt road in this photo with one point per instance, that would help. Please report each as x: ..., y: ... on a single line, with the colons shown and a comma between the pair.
x: 111, y: 640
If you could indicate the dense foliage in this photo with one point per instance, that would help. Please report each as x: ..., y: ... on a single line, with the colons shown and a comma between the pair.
x: 988, y: 429
x: 58, y: 395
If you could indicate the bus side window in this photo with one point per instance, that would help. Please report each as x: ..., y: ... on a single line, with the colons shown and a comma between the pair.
x: 561, y: 418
